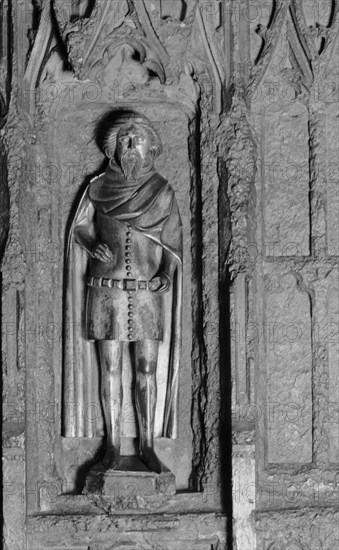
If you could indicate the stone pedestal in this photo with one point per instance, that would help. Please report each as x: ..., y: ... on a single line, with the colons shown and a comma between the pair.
x: 132, y: 486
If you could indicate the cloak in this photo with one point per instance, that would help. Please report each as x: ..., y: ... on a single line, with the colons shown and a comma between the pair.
x: 137, y: 204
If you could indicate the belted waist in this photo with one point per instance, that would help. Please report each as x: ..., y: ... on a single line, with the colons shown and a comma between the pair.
x: 122, y: 284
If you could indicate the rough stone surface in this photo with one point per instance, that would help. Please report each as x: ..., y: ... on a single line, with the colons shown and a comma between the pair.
x: 298, y: 529
x: 170, y: 532
x: 289, y: 371
x: 290, y: 336
x: 332, y: 177
x: 286, y: 173
x: 4, y: 199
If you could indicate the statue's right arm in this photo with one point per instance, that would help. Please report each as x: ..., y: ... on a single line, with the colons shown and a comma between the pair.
x: 84, y: 233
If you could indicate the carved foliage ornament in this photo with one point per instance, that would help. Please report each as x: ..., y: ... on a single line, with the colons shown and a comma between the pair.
x: 82, y: 41
x: 93, y: 40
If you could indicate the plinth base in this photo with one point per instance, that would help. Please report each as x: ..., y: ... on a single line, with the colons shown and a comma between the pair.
x: 132, y: 486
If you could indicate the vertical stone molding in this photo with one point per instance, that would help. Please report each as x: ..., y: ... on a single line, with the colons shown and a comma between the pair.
x: 240, y: 339
x: 332, y: 341
x: 244, y: 496
x: 332, y: 177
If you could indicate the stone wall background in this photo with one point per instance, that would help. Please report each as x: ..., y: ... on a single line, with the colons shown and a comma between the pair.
x: 246, y: 97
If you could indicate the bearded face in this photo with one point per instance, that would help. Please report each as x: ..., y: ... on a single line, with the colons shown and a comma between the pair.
x: 133, y: 150
x: 131, y: 164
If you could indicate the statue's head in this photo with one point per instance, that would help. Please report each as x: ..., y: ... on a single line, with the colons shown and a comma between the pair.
x: 133, y: 142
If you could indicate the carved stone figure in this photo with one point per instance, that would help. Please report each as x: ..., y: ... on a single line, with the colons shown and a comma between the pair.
x: 124, y: 276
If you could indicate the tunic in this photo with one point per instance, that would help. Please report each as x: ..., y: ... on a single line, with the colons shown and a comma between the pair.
x: 136, y: 231
x: 115, y: 313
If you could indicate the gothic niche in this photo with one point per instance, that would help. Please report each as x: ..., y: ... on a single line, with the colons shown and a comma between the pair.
x: 128, y: 197
x: 121, y: 184
x: 102, y: 431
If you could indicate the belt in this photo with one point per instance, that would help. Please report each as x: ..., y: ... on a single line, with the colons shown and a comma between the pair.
x: 122, y: 284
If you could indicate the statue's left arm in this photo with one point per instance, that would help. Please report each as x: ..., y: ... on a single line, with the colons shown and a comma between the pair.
x: 166, y: 271
x: 171, y: 238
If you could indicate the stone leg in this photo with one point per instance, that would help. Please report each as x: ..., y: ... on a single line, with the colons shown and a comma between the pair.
x: 145, y: 361
x: 111, y: 395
